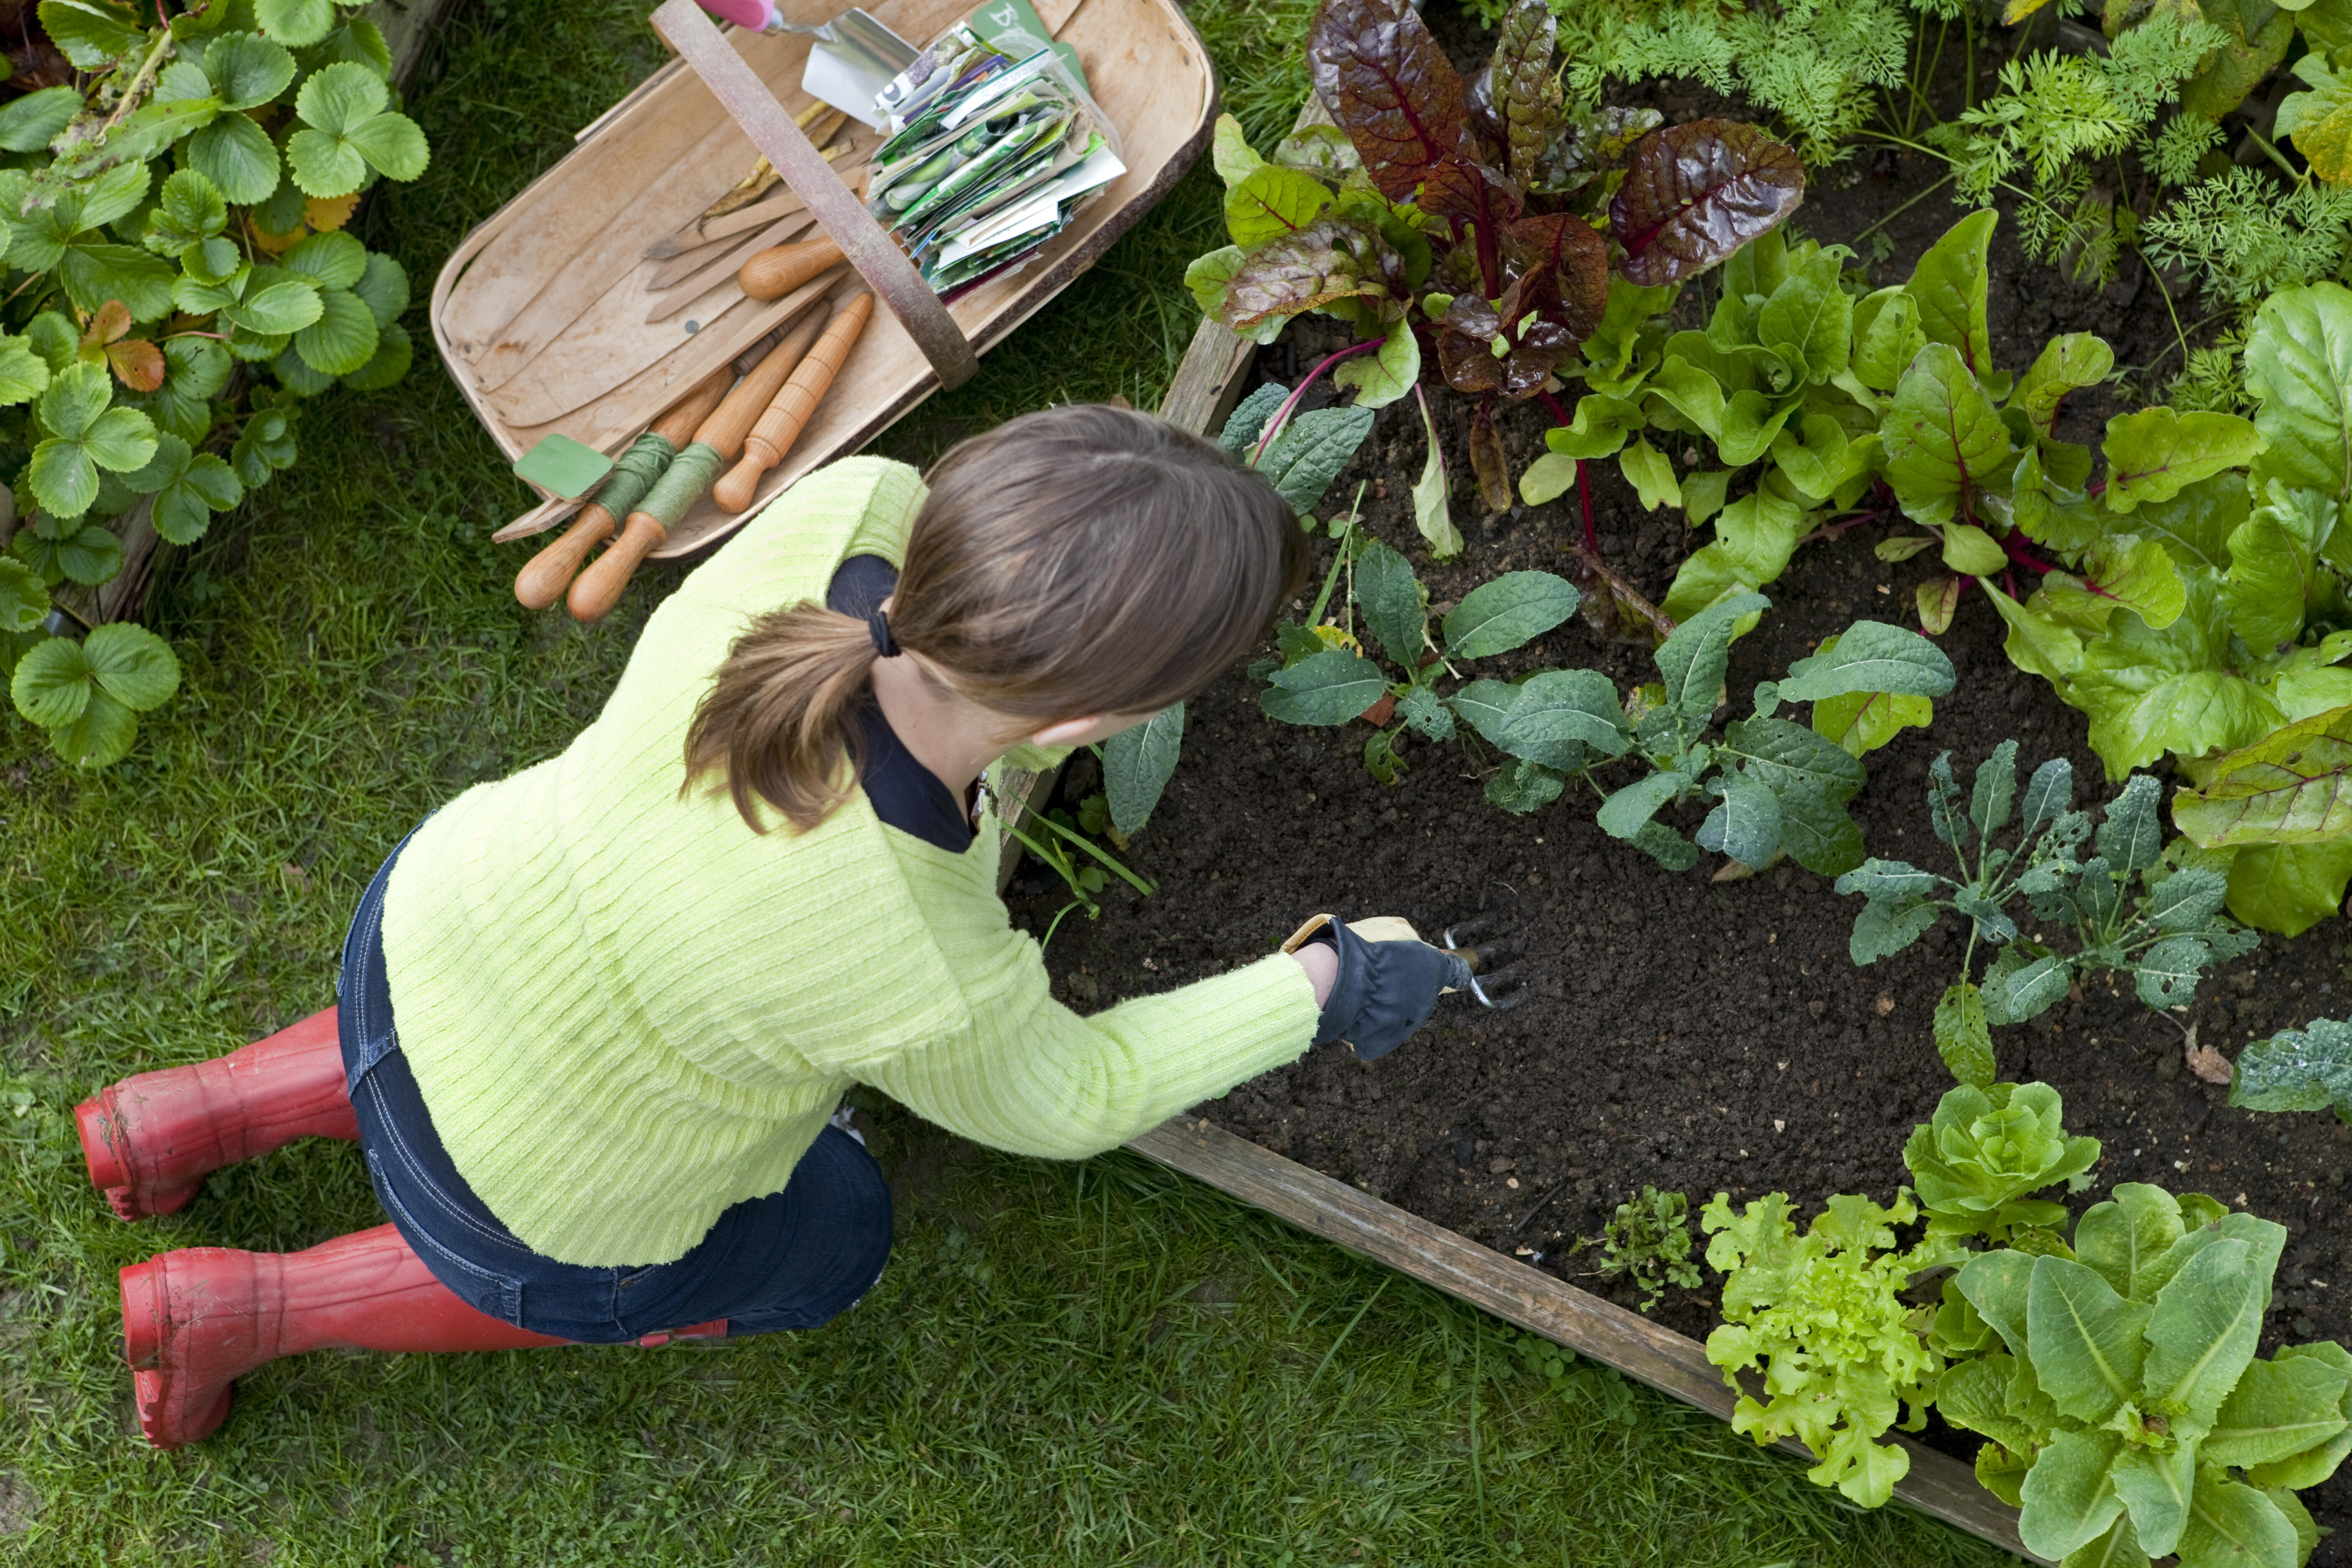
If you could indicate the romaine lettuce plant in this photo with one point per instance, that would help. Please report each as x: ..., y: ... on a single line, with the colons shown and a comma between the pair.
x: 1822, y: 1315
x: 173, y: 223
x: 1984, y: 1149
x: 2128, y: 1415
x: 1473, y: 224
x: 2165, y: 937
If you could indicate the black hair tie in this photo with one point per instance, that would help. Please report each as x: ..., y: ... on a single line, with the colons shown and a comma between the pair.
x: 878, y: 627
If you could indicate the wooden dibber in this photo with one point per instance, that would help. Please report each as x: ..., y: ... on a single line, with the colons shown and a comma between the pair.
x: 545, y: 576
x: 772, y: 273
x: 717, y: 441
x: 781, y: 426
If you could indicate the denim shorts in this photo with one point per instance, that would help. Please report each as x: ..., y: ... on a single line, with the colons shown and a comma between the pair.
x: 790, y: 1260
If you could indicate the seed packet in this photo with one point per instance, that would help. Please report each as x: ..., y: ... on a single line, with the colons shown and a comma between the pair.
x: 993, y: 143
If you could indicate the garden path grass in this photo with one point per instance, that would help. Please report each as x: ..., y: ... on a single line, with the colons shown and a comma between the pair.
x: 1087, y: 1364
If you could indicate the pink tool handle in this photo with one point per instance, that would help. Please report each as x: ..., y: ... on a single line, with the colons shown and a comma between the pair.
x: 760, y: 15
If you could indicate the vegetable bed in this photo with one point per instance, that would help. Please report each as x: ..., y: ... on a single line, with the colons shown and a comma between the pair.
x: 1699, y: 1035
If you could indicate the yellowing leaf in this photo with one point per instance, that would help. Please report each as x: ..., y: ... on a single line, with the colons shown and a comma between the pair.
x: 2319, y: 122
x: 325, y: 215
x: 1337, y: 636
x: 1938, y: 599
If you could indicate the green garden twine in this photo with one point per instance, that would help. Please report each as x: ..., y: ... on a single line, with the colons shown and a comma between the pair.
x: 624, y: 488
x: 691, y: 473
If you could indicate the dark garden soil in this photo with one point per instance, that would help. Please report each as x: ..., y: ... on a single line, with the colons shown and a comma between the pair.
x: 1697, y: 1034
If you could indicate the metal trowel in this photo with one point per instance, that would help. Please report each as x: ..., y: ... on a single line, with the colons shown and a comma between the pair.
x: 854, y: 57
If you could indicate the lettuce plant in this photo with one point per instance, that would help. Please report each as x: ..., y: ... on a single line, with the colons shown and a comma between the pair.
x: 1822, y: 1315
x: 2165, y: 937
x: 172, y: 227
x: 2128, y: 1415
x: 1473, y: 224
x: 1984, y: 1149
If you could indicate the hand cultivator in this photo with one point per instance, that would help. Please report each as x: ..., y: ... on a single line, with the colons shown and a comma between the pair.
x: 1497, y: 988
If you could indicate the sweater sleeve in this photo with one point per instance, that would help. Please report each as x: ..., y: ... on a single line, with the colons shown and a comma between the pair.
x: 1032, y: 1077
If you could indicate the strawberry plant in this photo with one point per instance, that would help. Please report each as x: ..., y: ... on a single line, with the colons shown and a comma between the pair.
x: 2165, y: 936
x: 173, y: 222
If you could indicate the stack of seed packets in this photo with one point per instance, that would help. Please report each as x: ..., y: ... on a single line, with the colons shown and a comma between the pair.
x: 993, y: 146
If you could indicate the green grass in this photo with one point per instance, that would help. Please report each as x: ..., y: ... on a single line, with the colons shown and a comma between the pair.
x: 1084, y: 1365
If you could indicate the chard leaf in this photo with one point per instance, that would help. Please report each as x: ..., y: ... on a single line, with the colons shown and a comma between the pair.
x: 1387, y: 82
x: 1746, y: 822
x: 2155, y: 454
x: 1390, y: 595
x: 1136, y: 765
x: 1430, y: 513
x: 1754, y: 537
x: 1329, y: 688
x: 2299, y: 370
x: 2289, y: 788
x: 1508, y: 612
x: 1962, y: 1036
x: 1326, y: 264
x: 1887, y: 338
x: 2195, y: 526
x: 1948, y: 286
x: 1943, y: 437
x: 1230, y: 152
x: 1868, y: 657
x: 2272, y: 570
x: 2289, y: 888
x: 1561, y: 714
x: 1272, y: 202
x: 1694, y: 194
x: 1971, y: 551
x: 2066, y: 363
x: 1563, y: 265
x: 2038, y: 642
x: 1808, y: 321
x: 1527, y: 91
x: 1381, y: 378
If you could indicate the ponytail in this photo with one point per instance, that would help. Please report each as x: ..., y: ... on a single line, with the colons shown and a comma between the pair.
x: 1081, y: 560
x: 779, y: 721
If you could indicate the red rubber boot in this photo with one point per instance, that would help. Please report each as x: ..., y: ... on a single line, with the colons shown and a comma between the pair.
x: 195, y: 1320
x: 149, y: 1139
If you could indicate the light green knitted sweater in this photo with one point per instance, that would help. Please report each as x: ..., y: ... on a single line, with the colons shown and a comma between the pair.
x: 627, y: 1011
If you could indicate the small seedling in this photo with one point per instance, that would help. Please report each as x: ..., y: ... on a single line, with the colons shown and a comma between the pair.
x: 1648, y: 1241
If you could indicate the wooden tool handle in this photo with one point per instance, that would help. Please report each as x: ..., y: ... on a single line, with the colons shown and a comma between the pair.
x: 599, y: 588
x: 724, y: 429
x: 772, y: 273
x: 545, y: 576
x: 678, y: 425
x: 781, y: 424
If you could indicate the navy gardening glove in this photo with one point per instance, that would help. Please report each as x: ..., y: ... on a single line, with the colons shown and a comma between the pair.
x: 1386, y: 988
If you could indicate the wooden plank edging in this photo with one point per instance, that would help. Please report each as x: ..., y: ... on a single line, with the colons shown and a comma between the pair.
x: 1937, y: 1484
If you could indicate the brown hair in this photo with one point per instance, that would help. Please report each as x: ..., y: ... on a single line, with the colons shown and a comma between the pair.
x: 1085, y: 559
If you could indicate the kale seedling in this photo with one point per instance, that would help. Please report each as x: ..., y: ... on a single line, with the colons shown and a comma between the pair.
x: 2165, y: 937
x: 1648, y: 1241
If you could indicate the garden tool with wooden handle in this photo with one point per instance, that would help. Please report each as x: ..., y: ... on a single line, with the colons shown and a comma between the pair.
x: 781, y: 424
x: 717, y: 439
x: 545, y: 576
x: 772, y: 273
x: 1389, y: 980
